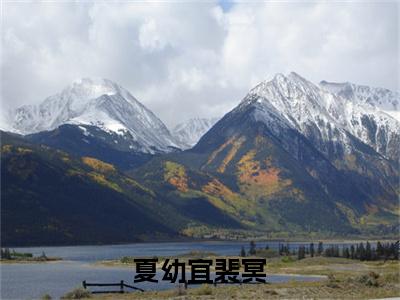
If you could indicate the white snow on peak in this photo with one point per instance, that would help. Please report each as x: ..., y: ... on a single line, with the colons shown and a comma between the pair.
x: 328, y: 111
x: 94, y: 87
x: 380, y: 98
x: 98, y: 102
x: 189, y: 133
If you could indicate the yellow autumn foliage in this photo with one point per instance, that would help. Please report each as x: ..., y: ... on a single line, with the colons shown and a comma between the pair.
x: 6, y: 148
x: 220, y: 148
x: 135, y: 184
x: 23, y: 150
x: 348, y: 212
x: 224, y: 198
x: 75, y: 172
x: 101, y: 179
x: 19, y: 150
x: 236, y: 143
x: 98, y: 165
x: 256, y: 181
x: 175, y: 174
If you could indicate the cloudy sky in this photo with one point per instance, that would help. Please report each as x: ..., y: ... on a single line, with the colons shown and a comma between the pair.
x: 186, y: 58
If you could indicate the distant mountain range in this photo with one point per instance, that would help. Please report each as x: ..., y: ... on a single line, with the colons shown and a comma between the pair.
x: 293, y: 157
x: 100, y: 103
x: 189, y: 133
x: 382, y: 99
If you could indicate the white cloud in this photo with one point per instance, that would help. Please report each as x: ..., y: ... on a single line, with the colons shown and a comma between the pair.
x: 193, y: 59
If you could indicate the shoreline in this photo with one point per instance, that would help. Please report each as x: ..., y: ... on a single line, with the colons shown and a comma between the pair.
x: 273, y: 240
x: 309, y: 277
x: 115, y: 264
x: 360, y: 280
x: 31, y: 261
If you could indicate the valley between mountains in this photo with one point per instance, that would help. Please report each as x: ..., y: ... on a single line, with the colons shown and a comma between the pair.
x: 93, y: 165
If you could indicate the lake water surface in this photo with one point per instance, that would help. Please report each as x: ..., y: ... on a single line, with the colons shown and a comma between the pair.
x: 31, y: 281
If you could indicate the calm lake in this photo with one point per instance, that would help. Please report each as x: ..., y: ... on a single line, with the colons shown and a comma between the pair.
x: 31, y: 281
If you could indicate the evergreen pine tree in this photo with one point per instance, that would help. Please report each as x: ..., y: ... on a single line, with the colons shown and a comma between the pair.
x: 301, y: 252
x: 320, y: 248
x: 312, y: 249
x: 392, y: 251
x: 361, y: 251
x: 346, y: 253
x: 328, y: 251
x: 7, y: 254
x: 252, y: 250
x: 368, y: 251
x: 379, y: 249
x: 396, y: 250
x: 386, y: 251
x: 242, y: 252
x: 336, y: 251
x: 352, y: 252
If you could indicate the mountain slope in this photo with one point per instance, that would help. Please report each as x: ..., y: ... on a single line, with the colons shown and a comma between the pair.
x: 371, y: 114
x: 48, y: 197
x: 383, y: 99
x: 88, y: 140
x: 292, y: 158
x: 188, y: 133
x: 259, y: 182
x: 101, y: 103
x: 324, y: 116
x: 52, y: 198
x: 284, y: 160
x: 339, y: 131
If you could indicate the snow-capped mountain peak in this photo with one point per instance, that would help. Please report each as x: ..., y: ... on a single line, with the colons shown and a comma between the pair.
x: 96, y: 102
x: 188, y: 133
x: 383, y: 99
x: 93, y: 87
x: 328, y: 113
x: 295, y: 99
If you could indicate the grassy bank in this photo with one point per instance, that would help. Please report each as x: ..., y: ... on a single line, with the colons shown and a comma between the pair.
x: 11, y: 256
x: 346, y: 279
x: 30, y: 260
